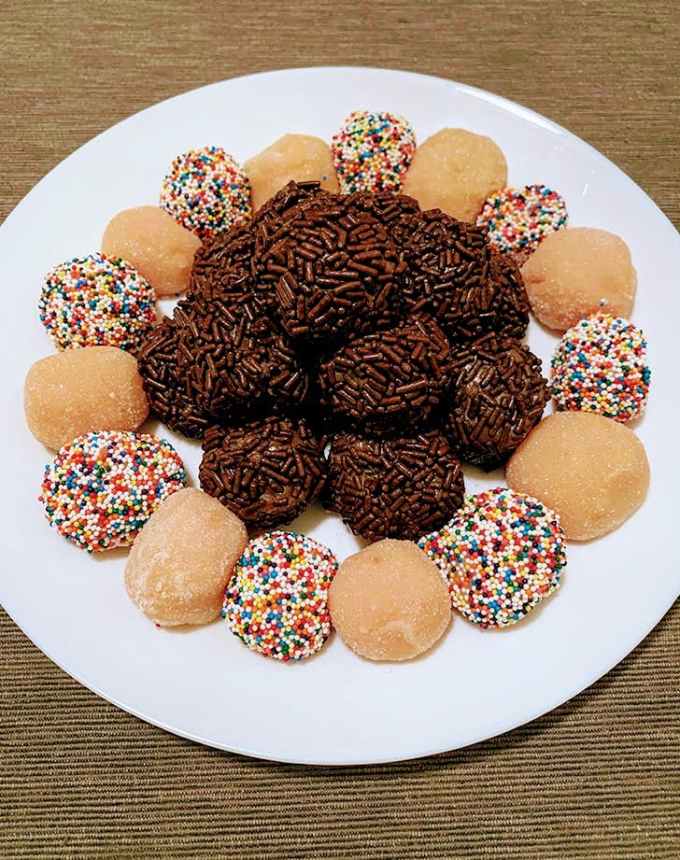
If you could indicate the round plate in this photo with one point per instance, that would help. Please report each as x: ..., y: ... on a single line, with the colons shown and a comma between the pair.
x: 335, y: 708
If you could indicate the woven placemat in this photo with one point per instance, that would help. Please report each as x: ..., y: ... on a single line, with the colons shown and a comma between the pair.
x: 598, y: 777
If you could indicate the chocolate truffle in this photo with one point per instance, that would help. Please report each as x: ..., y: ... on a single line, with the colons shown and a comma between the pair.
x: 266, y: 472
x: 498, y: 396
x: 236, y: 360
x: 388, y: 380
x: 334, y: 269
x: 164, y: 384
x: 455, y: 276
x: 237, y: 247
x: 399, y: 487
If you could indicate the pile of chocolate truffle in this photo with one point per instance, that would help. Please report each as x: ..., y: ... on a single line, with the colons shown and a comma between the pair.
x: 347, y: 348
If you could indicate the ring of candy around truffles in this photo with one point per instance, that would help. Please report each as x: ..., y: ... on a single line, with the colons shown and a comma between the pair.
x: 100, y: 489
x: 206, y: 191
x: 277, y: 599
x: 502, y: 554
x: 600, y: 365
x: 372, y: 151
x: 96, y: 301
x: 516, y: 220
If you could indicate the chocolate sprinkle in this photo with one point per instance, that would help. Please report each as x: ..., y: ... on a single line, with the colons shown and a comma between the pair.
x: 498, y: 397
x: 165, y: 390
x: 266, y: 472
x: 394, y: 211
x: 391, y: 380
x: 398, y: 488
x: 234, y: 358
x: 334, y: 271
x: 453, y: 274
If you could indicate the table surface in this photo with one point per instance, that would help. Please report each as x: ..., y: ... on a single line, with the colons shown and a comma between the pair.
x: 598, y: 777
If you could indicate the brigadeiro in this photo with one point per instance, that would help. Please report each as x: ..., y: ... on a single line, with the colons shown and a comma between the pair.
x: 398, y: 487
x: 394, y: 211
x: 498, y: 396
x: 266, y: 471
x: 236, y: 361
x: 214, y: 260
x: 388, y: 380
x: 164, y: 383
x: 453, y: 275
x: 334, y: 269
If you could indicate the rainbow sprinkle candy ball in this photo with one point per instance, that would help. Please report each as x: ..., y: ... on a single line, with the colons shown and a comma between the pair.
x: 502, y: 554
x: 206, y: 191
x: 97, y: 301
x: 600, y: 365
x: 100, y: 489
x: 277, y: 600
x: 517, y: 220
x: 373, y: 151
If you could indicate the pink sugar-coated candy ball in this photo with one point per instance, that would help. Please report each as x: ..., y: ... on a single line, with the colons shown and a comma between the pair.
x: 298, y: 157
x: 389, y: 601
x: 156, y: 245
x: 577, y: 272
x: 593, y: 471
x: 183, y: 558
x: 456, y: 170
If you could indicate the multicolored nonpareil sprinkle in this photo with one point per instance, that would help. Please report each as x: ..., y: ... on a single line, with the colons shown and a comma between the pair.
x: 100, y: 489
x: 501, y: 554
x: 600, y: 365
x: 517, y: 220
x: 206, y: 191
x: 373, y: 151
x: 277, y: 600
x: 97, y: 301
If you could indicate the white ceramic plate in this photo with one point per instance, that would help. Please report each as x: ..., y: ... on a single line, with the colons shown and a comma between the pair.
x: 335, y: 708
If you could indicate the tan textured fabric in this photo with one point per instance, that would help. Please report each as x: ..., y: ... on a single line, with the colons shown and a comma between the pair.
x: 599, y: 777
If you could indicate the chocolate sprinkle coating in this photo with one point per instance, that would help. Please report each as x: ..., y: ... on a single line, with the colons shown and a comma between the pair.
x: 266, y: 472
x: 393, y: 488
x: 498, y: 396
x: 235, y: 359
x: 398, y: 213
x: 334, y: 270
x: 214, y: 260
x: 165, y: 389
x: 454, y: 275
x: 391, y: 380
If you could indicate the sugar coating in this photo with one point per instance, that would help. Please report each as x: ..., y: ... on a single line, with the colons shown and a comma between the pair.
x: 96, y: 301
x: 293, y: 157
x: 277, y: 600
x: 600, y: 365
x: 388, y: 602
x: 80, y: 390
x: 456, y: 170
x: 206, y: 191
x: 372, y: 151
x: 516, y: 220
x: 181, y: 561
x: 156, y: 245
x: 591, y: 470
x: 501, y: 554
x: 101, y: 488
x: 578, y: 272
